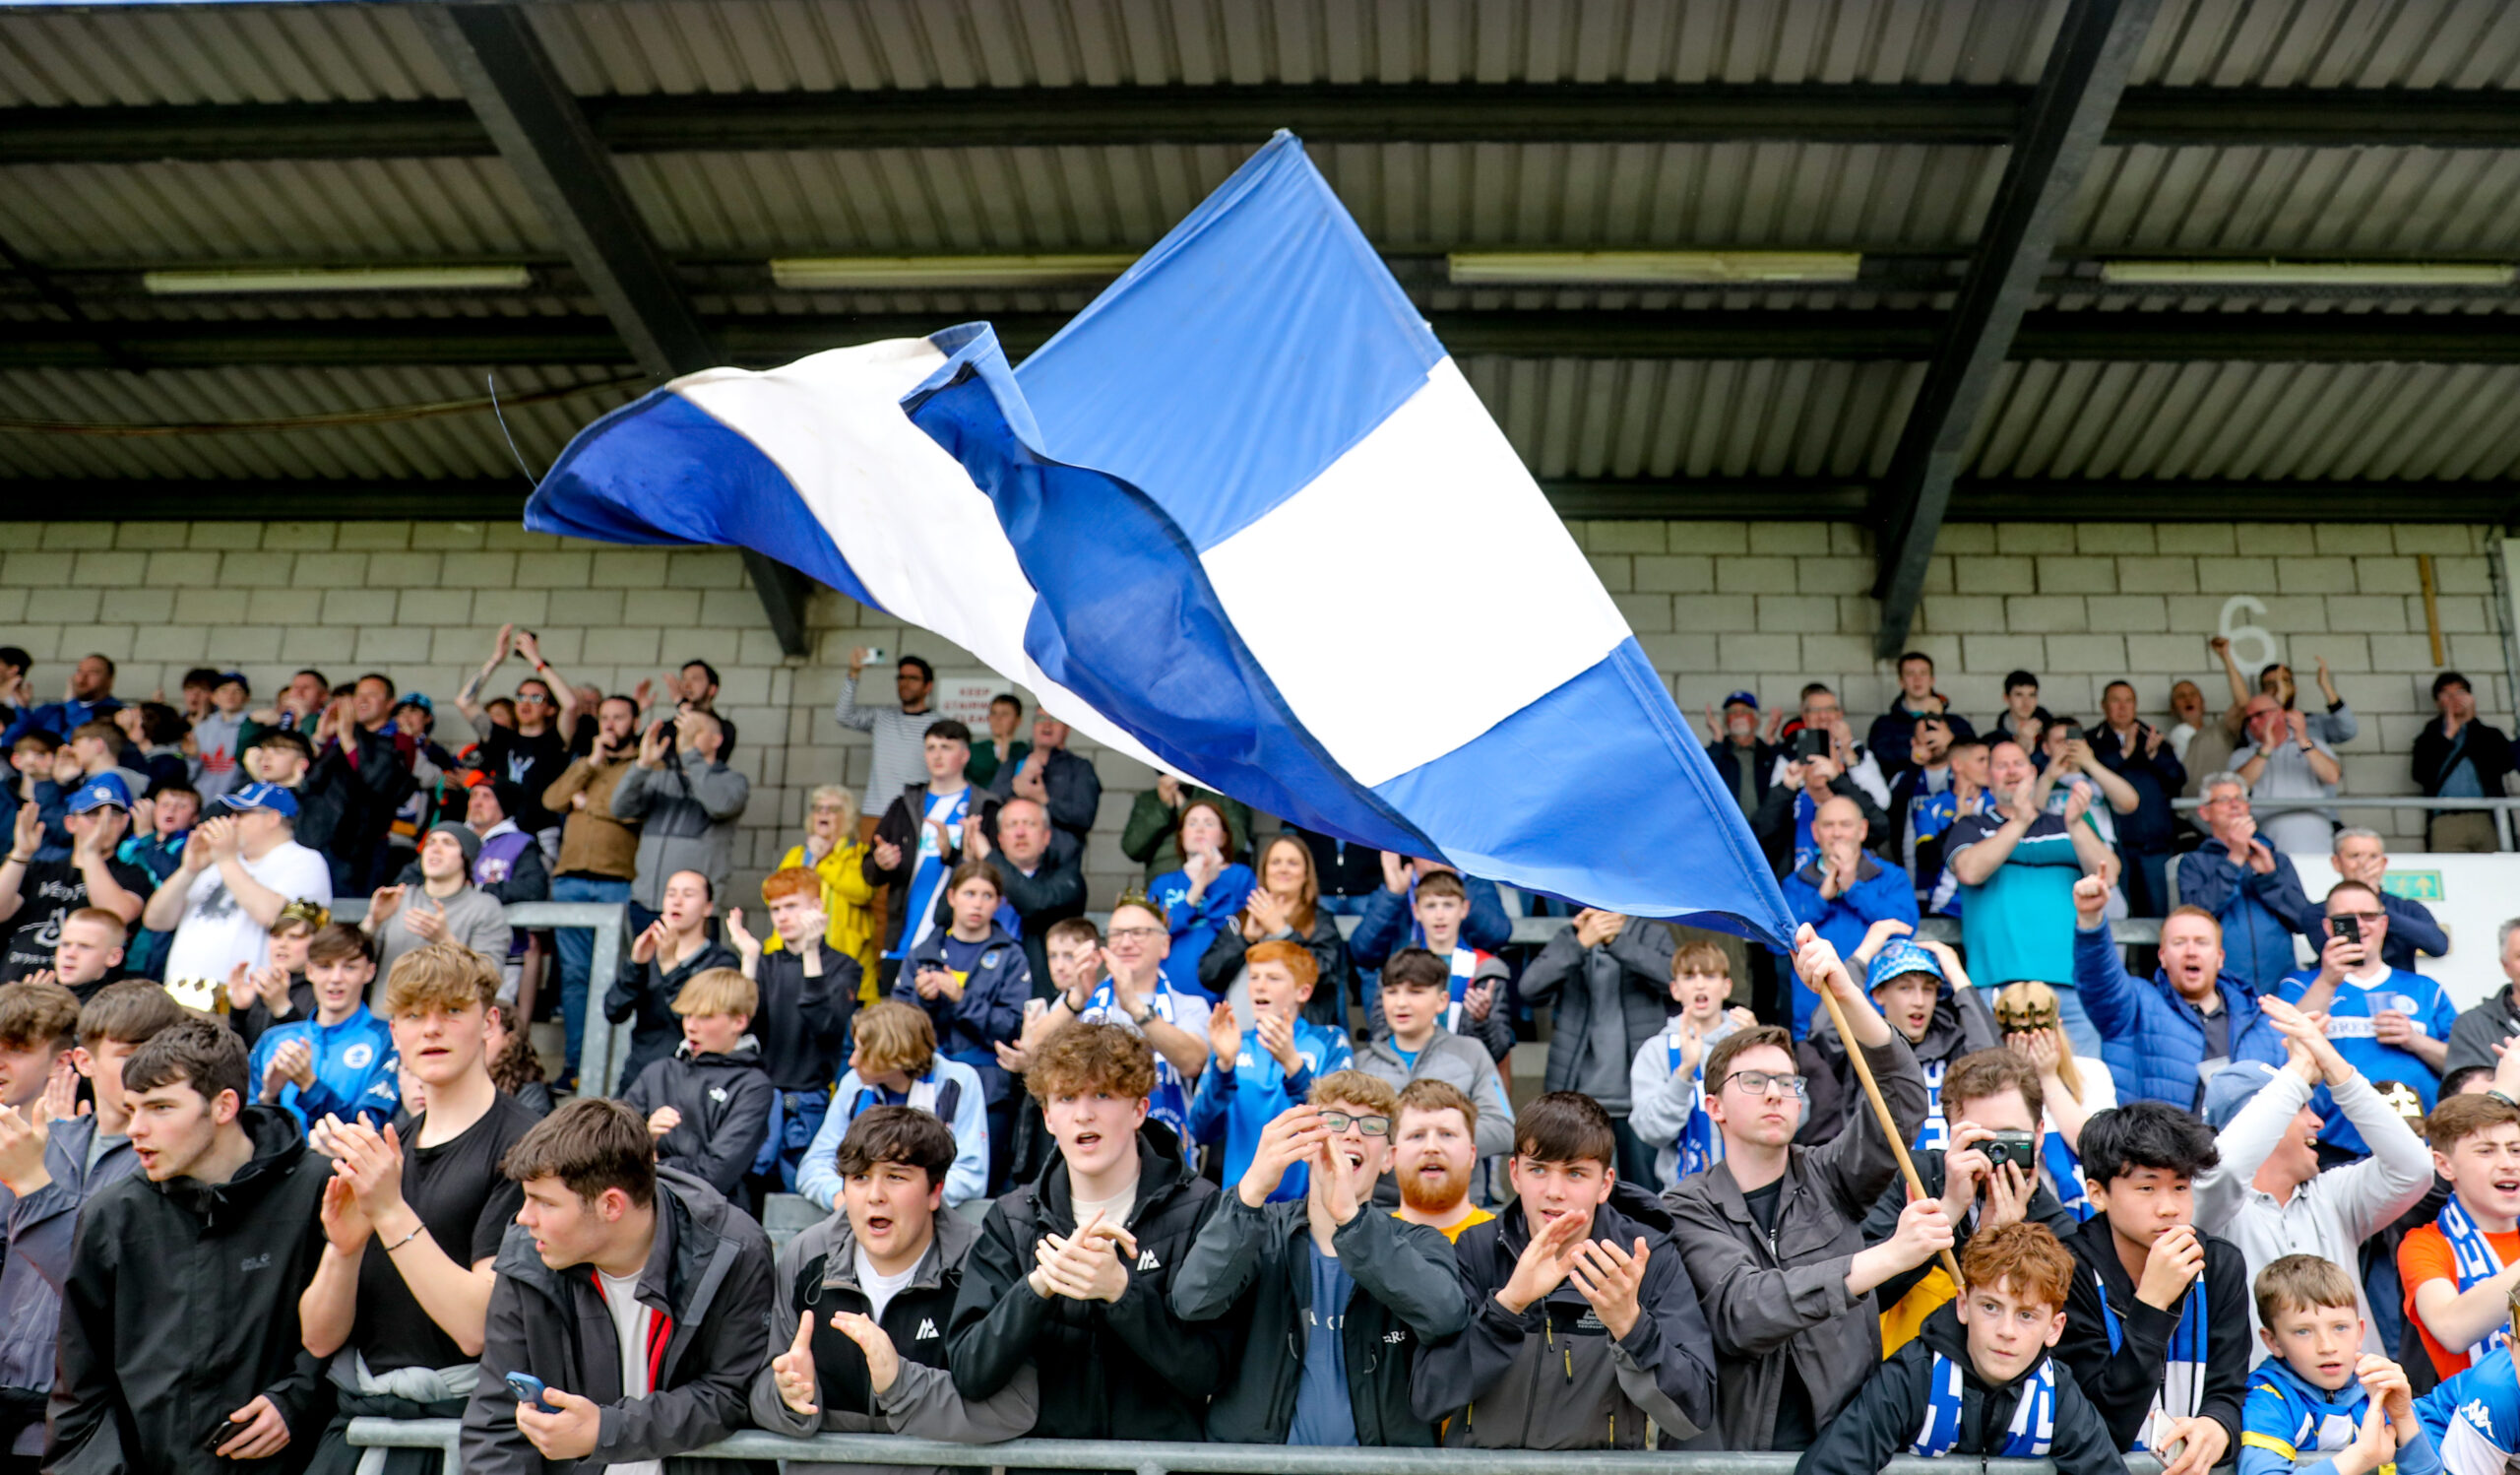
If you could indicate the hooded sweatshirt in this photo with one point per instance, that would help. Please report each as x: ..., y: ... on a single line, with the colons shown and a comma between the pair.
x: 643, y: 997
x: 181, y: 1307
x: 991, y: 1008
x: 725, y: 1101
x: 355, y: 1066
x: 1887, y: 1416
x: 1962, y: 1024
x: 2122, y: 1373
x: 818, y: 1274
x: 1122, y: 1369
x: 1552, y: 1376
x: 1260, y: 1260
x: 708, y: 1272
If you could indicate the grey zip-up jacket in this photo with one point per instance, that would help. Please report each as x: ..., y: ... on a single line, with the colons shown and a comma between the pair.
x: 1607, y: 1001
x: 1773, y: 1297
x: 1260, y: 1260
x: 1464, y: 1064
x: 709, y: 1271
x: 923, y: 1402
x: 1553, y: 1378
x: 686, y: 816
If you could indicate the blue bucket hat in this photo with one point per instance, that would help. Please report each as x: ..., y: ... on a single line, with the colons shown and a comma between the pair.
x: 1901, y: 957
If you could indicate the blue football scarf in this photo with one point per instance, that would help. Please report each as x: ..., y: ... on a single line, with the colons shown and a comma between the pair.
x: 1170, y: 1102
x: 2034, y: 1420
x: 2182, y: 1391
x: 929, y: 877
x: 2066, y: 1169
x: 1464, y: 968
x: 2473, y: 1253
x: 1934, y: 1134
x: 1700, y: 1146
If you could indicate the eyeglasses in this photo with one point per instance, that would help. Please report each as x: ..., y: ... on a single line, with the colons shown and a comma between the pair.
x: 1757, y: 1083
x: 1136, y: 934
x: 1372, y: 1126
x: 532, y: 696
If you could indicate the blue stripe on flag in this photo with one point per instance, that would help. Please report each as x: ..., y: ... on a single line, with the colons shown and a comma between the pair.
x: 1128, y: 621
x: 1615, y: 738
x: 1266, y: 320
x: 661, y: 469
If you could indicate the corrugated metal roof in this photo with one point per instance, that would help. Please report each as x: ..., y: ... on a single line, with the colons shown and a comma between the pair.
x: 457, y: 445
x: 339, y: 52
x: 2380, y: 422
x: 244, y: 211
x: 2302, y: 202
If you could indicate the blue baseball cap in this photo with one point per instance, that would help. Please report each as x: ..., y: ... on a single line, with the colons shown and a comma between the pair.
x: 2231, y: 1088
x: 1900, y: 957
x: 270, y: 797
x: 102, y: 790
x: 236, y: 676
x: 1743, y: 699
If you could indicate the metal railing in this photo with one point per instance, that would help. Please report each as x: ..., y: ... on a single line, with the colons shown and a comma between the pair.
x: 1228, y: 1460
x: 606, y: 1046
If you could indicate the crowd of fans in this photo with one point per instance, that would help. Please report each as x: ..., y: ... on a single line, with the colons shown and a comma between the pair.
x: 1215, y: 1168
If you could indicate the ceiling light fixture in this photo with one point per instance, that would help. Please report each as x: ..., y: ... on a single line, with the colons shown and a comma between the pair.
x: 1649, y: 268
x: 880, y: 273
x: 336, y: 279
x: 2309, y: 272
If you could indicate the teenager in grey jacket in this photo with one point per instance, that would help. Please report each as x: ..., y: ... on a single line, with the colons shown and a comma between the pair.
x: 1268, y: 1258
x: 894, y: 1162
x: 1608, y: 980
x: 685, y: 803
x: 1772, y: 1233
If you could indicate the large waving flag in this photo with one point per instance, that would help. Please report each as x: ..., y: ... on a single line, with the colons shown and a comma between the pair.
x: 1242, y: 519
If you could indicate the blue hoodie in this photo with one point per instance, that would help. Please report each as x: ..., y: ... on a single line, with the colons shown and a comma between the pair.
x: 2288, y: 1422
x: 990, y: 1010
x: 2258, y: 912
x: 2155, y: 1040
x: 355, y: 1069
x: 1235, y: 1105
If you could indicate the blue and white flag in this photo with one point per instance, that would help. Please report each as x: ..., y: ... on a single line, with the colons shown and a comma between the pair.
x: 1242, y: 519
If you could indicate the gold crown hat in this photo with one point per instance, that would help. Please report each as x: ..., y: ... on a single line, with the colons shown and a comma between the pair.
x: 2027, y: 1005
x: 313, y: 912
x: 1134, y: 895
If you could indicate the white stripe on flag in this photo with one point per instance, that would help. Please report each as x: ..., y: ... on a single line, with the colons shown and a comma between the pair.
x: 1427, y: 555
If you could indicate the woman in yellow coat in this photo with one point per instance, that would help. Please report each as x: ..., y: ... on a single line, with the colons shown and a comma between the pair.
x: 833, y: 853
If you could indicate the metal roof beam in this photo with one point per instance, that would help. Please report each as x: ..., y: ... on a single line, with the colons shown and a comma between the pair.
x: 2087, y: 68
x: 502, y: 499
x: 1327, y: 113
x: 2058, y: 336
x: 521, y: 102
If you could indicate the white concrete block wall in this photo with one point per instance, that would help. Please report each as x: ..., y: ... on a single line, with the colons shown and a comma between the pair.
x: 1715, y: 606
x: 1719, y: 607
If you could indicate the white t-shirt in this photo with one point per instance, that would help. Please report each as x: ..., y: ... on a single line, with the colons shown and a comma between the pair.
x: 1115, y: 1210
x: 218, y: 932
x: 880, y: 1289
x: 630, y: 1329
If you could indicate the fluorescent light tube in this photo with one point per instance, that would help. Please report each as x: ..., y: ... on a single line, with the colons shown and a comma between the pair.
x: 2308, y: 272
x: 806, y: 272
x: 1649, y: 268
x: 338, y: 279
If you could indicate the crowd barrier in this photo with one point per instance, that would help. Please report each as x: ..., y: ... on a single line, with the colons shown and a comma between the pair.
x: 2261, y: 807
x: 1227, y: 1459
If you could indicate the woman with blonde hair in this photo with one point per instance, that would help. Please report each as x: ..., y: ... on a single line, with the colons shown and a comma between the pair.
x: 2027, y: 1013
x: 1285, y: 907
x: 832, y: 852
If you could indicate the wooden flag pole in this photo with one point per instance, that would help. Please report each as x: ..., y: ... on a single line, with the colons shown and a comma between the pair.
x: 1881, y: 1110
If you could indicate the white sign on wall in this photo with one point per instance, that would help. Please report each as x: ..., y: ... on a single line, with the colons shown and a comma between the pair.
x: 965, y: 698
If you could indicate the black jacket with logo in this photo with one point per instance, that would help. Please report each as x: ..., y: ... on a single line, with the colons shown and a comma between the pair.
x: 1123, y: 1369
x: 724, y: 1102
x: 181, y: 1307
x: 1257, y: 1265
x: 709, y: 1271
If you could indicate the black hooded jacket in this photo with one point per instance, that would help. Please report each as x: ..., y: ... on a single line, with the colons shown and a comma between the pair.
x: 1553, y: 1378
x: 1123, y: 1369
x: 725, y: 1103
x: 709, y: 1271
x: 1962, y: 1024
x: 181, y: 1307
x: 1256, y: 1266
x: 1887, y: 1414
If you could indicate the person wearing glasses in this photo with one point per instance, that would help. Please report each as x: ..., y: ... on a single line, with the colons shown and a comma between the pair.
x: 1348, y: 1292
x: 2390, y: 1024
x: 1773, y: 1234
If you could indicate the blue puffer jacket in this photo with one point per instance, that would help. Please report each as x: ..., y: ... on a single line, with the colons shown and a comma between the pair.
x: 2155, y: 1040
